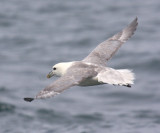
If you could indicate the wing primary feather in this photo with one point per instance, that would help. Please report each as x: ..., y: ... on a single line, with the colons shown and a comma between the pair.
x: 105, y: 50
x: 28, y: 99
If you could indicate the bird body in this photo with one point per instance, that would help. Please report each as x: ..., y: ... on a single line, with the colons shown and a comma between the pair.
x: 125, y: 76
x: 92, y: 70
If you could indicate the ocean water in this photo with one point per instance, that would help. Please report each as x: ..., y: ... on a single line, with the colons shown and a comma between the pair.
x: 36, y: 34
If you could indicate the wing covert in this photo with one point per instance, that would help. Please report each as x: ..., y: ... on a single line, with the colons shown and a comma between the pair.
x: 57, y: 87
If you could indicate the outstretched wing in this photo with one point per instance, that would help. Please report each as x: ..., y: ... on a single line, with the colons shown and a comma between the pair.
x: 73, y: 77
x: 104, y: 51
x: 57, y: 87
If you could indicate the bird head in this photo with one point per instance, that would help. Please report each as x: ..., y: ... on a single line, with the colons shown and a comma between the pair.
x: 59, y: 69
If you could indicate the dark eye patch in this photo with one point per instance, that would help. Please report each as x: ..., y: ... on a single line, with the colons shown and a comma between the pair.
x: 54, y: 68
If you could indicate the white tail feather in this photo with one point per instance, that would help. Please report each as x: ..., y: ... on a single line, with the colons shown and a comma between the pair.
x: 128, y: 76
x: 116, y: 77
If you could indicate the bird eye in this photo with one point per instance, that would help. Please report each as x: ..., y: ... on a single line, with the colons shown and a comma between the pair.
x: 54, y: 68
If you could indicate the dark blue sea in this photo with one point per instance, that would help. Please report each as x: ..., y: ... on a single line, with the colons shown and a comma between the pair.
x: 36, y: 34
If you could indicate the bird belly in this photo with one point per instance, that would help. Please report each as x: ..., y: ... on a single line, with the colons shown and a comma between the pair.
x: 90, y: 82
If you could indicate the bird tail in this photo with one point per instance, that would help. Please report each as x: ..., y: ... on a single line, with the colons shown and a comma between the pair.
x: 127, y: 76
x: 122, y: 77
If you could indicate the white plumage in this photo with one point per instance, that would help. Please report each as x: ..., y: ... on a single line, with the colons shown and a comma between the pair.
x: 91, y: 70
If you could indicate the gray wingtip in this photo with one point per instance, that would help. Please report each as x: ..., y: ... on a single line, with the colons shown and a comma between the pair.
x: 135, y: 21
x: 28, y: 99
x: 136, y: 18
x: 129, y: 30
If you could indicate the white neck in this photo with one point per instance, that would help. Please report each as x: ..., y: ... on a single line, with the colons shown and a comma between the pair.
x: 63, y: 67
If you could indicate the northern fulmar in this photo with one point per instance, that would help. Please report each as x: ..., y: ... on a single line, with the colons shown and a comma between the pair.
x: 92, y: 70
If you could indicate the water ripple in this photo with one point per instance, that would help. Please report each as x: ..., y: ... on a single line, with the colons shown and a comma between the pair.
x: 5, y: 107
